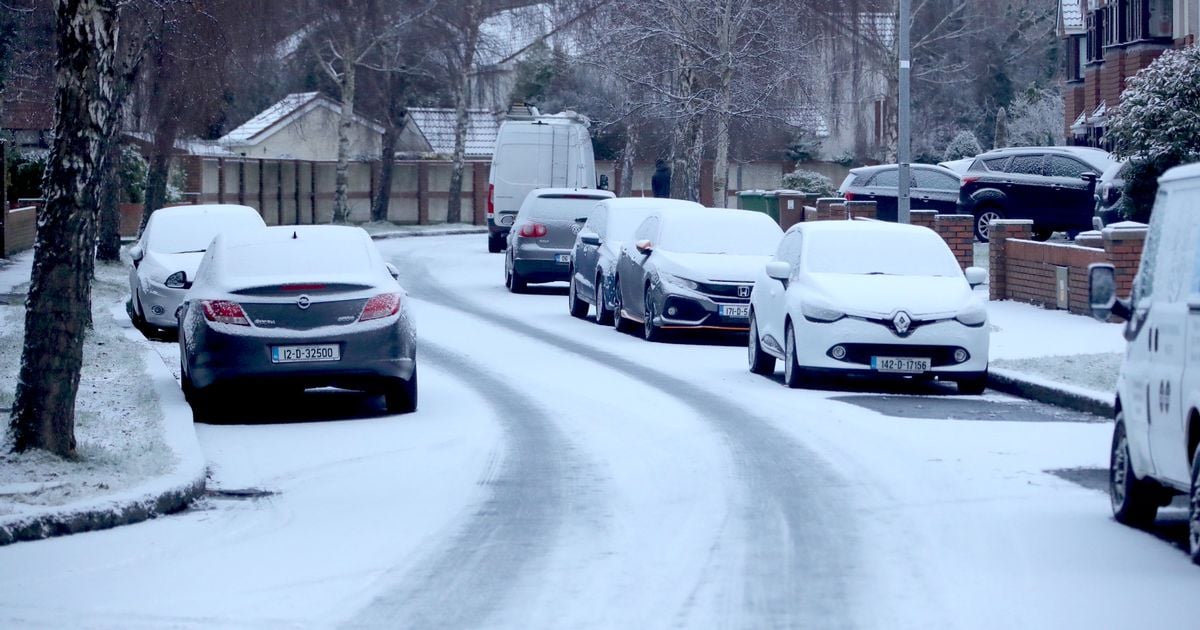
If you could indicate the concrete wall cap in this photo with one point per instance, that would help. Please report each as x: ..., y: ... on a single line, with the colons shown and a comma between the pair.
x: 1013, y: 222
x: 1126, y: 230
x: 956, y: 217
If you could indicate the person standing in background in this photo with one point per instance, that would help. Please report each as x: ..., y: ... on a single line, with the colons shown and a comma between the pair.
x: 660, y: 182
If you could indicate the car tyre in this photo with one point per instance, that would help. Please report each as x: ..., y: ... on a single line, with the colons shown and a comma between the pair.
x: 973, y: 385
x: 793, y: 375
x: 1042, y: 234
x: 201, y: 401
x: 1134, y: 501
x: 495, y: 244
x: 983, y: 217
x: 514, y: 281
x: 760, y: 362
x: 650, y: 331
x: 604, y: 317
x: 620, y: 324
x: 1194, y: 510
x: 401, y: 397
x: 579, y: 308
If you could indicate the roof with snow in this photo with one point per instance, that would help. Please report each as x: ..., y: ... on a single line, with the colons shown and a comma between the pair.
x: 437, y: 125
x: 1070, y: 17
x: 277, y: 116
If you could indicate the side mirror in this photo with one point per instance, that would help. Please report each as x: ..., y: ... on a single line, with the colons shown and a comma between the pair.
x: 645, y: 247
x: 394, y: 271
x: 581, y: 220
x: 976, y: 276
x: 1091, y: 178
x: 588, y: 237
x: 178, y: 280
x: 779, y: 270
x: 603, y: 185
x: 1102, y: 293
x: 137, y: 254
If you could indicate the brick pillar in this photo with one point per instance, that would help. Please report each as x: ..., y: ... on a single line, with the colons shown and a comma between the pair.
x: 1123, y: 243
x: 860, y: 209
x: 830, y: 208
x: 999, y: 233
x: 479, y: 191
x: 958, y: 232
x: 422, y: 193
x: 193, y: 169
x: 923, y: 218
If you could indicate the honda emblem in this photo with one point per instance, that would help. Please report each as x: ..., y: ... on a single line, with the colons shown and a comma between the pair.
x: 743, y: 291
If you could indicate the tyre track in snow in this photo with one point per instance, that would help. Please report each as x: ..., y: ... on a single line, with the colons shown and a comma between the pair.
x: 461, y: 584
x: 802, y: 550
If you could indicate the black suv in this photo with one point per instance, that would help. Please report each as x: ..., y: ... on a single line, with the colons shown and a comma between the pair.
x: 1053, y: 186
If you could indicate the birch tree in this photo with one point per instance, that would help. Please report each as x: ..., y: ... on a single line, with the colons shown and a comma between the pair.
x: 43, y: 415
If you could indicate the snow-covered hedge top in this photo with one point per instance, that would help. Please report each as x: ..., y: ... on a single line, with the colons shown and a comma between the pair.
x: 1159, y: 113
x: 810, y: 182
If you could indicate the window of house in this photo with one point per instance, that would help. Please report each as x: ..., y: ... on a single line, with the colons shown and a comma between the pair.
x: 1095, y: 36
x: 1077, y: 54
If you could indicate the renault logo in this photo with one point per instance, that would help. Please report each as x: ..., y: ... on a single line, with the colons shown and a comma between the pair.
x: 303, y: 302
x: 901, y: 321
x: 743, y: 291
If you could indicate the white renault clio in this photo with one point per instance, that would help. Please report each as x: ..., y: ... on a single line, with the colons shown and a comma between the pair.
x: 1156, y: 438
x: 869, y: 298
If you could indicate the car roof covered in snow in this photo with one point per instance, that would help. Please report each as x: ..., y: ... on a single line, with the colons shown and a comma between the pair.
x: 592, y: 193
x: 202, y: 209
x: 1186, y: 171
x: 652, y: 203
x: 858, y: 225
x: 1098, y: 158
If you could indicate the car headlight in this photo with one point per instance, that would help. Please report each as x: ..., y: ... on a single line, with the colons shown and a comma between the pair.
x: 816, y: 312
x: 677, y: 281
x: 177, y: 280
x: 974, y: 315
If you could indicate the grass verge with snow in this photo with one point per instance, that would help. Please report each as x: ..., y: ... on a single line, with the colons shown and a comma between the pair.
x: 118, y: 422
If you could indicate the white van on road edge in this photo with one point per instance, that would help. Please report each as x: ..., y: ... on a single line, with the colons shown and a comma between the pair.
x: 538, y: 151
x: 1154, y: 453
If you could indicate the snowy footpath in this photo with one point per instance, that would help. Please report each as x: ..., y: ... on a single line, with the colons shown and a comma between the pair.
x: 137, y: 451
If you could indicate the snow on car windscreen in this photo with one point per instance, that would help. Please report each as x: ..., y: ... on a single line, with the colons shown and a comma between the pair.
x: 178, y: 234
x: 297, y: 258
x: 566, y: 207
x: 894, y: 253
x: 736, y: 233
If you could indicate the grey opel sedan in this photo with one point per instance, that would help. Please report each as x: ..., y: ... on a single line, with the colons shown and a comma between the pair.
x: 298, y: 307
x: 543, y: 235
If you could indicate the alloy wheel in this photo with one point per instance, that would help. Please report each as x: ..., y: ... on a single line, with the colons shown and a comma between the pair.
x: 1119, y: 472
x: 983, y: 223
x: 789, y: 368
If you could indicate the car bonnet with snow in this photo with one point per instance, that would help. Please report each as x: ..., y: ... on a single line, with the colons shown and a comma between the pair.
x: 871, y: 269
x: 715, y: 244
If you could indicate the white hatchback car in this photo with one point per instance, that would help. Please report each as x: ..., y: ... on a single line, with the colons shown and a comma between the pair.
x: 166, y: 256
x: 869, y: 298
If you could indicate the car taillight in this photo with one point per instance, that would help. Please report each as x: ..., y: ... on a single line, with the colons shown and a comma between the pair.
x: 970, y: 180
x: 224, y: 312
x: 383, y: 305
x: 532, y: 230
x: 849, y: 196
x: 491, y: 199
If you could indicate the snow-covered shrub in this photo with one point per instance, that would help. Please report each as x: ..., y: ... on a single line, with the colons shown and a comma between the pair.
x: 132, y: 172
x: 1157, y: 125
x: 1036, y: 119
x: 810, y: 182
x: 964, y: 145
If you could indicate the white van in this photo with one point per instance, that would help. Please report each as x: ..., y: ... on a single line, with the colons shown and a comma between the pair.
x: 535, y: 151
x: 1154, y: 449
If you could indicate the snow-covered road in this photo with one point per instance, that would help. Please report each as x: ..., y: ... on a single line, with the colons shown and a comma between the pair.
x: 561, y: 475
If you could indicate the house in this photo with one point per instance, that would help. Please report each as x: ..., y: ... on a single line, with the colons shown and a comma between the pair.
x: 28, y: 112
x: 429, y: 132
x: 1108, y: 41
x: 303, y: 127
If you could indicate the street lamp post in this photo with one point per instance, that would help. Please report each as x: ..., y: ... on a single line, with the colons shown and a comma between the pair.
x: 904, y: 141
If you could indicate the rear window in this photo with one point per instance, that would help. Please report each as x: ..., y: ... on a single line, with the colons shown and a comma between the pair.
x: 915, y: 253
x: 889, y: 178
x: 735, y: 233
x: 297, y: 258
x: 177, y: 234
x: 847, y: 183
x: 567, y: 207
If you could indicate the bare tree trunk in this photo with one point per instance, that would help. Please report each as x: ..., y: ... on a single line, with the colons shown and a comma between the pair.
x: 461, y: 97
x: 159, y: 170
x: 387, y: 163
x: 341, y: 206
x: 628, y: 163
x: 108, y: 246
x: 43, y: 415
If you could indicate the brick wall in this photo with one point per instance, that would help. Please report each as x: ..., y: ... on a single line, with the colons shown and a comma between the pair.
x: 923, y: 218
x: 958, y: 232
x: 1074, y: 98
x: 20, y: 229
x: 1027, y: 271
